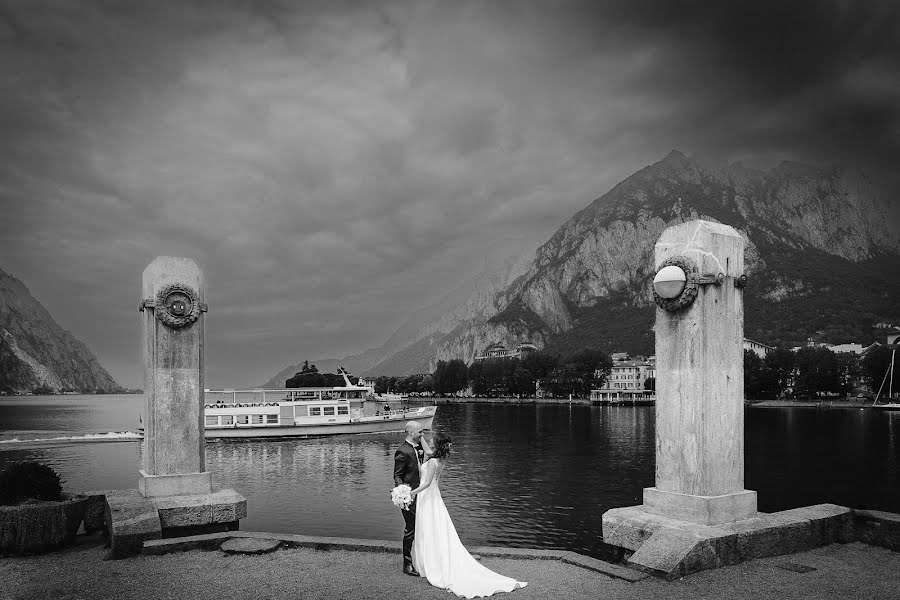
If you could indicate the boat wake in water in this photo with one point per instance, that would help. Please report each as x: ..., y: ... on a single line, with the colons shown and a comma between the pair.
x: 110, y: 436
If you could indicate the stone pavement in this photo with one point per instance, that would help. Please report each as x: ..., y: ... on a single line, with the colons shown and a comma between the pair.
x: 837, y: 571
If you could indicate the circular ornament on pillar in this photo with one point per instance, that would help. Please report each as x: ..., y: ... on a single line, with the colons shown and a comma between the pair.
x: 688, y: 294
x: 177, y: 305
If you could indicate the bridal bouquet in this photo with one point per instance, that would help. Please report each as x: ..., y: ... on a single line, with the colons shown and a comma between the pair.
x: 401, y: 496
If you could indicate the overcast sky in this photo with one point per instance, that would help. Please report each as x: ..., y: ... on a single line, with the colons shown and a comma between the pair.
x: 334, y: 166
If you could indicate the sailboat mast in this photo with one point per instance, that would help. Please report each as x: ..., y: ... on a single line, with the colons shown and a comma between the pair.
x: 891, y: 384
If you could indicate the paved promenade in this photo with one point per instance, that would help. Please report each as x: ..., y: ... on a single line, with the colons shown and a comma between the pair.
x: 839, y: 571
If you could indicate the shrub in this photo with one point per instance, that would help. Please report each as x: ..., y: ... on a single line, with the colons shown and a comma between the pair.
x: 34, y: 528
x: 29, y: 481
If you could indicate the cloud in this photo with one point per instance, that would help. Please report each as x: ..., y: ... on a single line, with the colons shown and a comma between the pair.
x: 334, y: 166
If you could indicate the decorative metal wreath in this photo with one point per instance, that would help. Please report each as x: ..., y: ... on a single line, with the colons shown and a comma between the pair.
x: 177, y: 305
x: 689, y: 293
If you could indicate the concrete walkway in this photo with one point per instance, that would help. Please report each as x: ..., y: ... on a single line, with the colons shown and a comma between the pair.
x: 839, y: 572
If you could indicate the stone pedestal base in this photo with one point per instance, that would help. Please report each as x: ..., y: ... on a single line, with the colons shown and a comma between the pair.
x: 152, y: 486
x: 705, y: 510
x: 672, y: 548
x: 132, y: 519
x: 221, y: 506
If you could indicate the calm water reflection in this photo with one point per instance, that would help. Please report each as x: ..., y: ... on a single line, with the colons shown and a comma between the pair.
x: 802, y: 456
x: 535, y: 476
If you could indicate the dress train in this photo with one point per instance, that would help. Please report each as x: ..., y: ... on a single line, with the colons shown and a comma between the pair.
x: 440, y: 556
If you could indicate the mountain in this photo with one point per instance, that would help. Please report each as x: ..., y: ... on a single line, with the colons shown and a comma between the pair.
x: 473, y: 297
x: 36, y: 352
x: 820, y: 243
x: 821, y: 254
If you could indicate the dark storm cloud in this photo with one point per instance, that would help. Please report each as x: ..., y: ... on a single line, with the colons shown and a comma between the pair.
x: 819, y: 79
x: 333, y: 166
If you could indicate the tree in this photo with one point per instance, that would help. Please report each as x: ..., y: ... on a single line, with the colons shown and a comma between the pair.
x: 493, y: 375
x: 754, y: 376
x: 521, y: 381
x: 440, y: 377
x: 585, y: 370
x: 426, y: 385
x: 308, y: 376
x: 850, y: 371
x: 476, y: 378
x: 457, y: 375
x: 540, y: 365
x: 818, y: 371
x: 383, y: 384
x: 778, y: 367
x: 874, y: 366
x: 562, y: 380
x: 577, y: 374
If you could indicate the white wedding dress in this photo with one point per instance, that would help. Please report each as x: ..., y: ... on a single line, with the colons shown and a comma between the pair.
x: 438, y: 554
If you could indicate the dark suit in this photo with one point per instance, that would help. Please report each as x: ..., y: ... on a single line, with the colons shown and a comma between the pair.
x: 406, y: 470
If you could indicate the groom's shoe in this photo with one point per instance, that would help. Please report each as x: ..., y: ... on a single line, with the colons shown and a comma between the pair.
x: 411, y: 570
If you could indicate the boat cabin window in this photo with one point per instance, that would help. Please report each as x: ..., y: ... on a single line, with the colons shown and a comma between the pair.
x: 257, y: 419
x: 315, y: 411
x: 270, y: 419
x: 212, y: 420
x: 227, y: 419
x: 243, y: 419
x: 328, y: 410
x: 343, y: 410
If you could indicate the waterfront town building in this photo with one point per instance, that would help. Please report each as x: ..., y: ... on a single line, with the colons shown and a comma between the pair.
x: 367, y: 382
x: 851, y: 348
x: 629, y: 375
x: 758, y: 347
x: 846, y: 348
x: 499, y: 350
x: 627, y: 380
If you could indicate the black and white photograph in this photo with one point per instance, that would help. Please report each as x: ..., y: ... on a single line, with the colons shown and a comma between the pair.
x: 344, y: 299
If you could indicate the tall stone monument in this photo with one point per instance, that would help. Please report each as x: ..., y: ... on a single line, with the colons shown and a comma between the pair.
x: 700, y: 378
x: 698, y: 515
x: 174, y: 455
x: 175, y: 495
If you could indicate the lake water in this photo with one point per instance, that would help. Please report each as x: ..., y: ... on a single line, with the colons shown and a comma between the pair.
x: 537, y: 476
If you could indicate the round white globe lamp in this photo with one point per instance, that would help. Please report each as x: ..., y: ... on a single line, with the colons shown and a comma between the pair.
x: 669, y: 282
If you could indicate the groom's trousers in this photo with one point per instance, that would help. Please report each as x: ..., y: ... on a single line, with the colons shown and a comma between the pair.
x: 409, y: 532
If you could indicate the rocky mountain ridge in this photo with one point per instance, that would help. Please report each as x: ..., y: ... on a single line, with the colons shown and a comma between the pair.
x: 816, y: 237
x: 36, y: 352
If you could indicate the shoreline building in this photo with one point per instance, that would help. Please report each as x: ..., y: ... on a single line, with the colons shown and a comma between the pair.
x: 759, y: 348
x: 499, y: 350
x: 626, y: 383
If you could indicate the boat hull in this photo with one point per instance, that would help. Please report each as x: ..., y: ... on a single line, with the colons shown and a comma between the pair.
x: 381, y: 424
x: 890, y: 406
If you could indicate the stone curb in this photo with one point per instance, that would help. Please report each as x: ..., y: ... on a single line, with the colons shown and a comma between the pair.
x: 877, y: 528
x: 214, y: 541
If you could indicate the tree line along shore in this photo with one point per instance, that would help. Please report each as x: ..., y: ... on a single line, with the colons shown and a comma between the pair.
x: 809, y: 373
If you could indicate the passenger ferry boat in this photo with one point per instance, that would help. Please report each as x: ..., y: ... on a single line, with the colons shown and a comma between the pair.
x: 302, y: 412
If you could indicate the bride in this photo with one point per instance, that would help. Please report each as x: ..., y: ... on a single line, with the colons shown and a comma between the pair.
x: 437, y: 552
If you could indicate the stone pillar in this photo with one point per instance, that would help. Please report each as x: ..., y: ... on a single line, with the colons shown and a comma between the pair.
x: 700, y: 384
x: 174, y: 455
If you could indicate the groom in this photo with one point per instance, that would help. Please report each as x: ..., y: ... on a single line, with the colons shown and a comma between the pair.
x: 407, y: 459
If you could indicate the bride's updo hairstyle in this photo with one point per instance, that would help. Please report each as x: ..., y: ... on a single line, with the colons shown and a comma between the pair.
x: 442, y: 443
